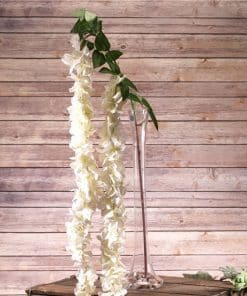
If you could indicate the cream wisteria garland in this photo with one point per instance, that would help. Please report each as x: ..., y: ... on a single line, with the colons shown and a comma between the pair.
x: 84, y: 166
x: 98, y: 188
x: 112, y: 208
x: 104, y: 189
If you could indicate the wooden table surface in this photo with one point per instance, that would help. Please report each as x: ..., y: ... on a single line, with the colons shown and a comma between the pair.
x: 173, y: 286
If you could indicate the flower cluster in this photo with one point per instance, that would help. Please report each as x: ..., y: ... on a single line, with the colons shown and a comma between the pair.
x: 112, y: 208
x: 84, y: 166
x: 95, y: 189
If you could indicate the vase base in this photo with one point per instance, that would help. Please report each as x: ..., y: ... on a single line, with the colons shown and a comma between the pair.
x: 138, y: 280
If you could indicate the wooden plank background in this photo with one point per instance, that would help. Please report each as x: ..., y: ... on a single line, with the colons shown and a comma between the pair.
x: 189, y: 58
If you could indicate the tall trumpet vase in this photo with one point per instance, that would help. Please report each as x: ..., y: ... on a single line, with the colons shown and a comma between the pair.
x: 141, y: 274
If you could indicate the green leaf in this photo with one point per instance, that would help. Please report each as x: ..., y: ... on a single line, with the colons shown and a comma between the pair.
x: 82, y: 44
x: 106, y: 71
x: 79, y: 13
x: 229, y: 272
x: 124, y: 90
x: 87, y: 27
x: 80, y: 27
x: 134, y: 97
x: 145, y: 103
x: 113, y: 55
x: 97, y: 25
x: 76, y: 27
x: 98, y: 59
x: 150, y: 111
x: 100, y: 25
x: 129, y: 83
x: 93, y: 27
x: 89, y: 16
x: 240, y: 282
x: 101, y: 42
x: 114, y: 67
x: 90, y: 45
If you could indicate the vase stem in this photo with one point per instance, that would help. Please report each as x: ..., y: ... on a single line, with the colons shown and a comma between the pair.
x: 140, y: 173
x: 141, y: 274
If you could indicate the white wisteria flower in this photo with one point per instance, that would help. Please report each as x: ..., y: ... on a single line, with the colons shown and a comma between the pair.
x: 84, y: 166
x: 112, y: 208
x: 104, y: 190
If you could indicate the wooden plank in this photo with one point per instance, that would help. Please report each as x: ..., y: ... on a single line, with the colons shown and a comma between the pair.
x: 159, y: 219
x: 133, y: 8
x: 191, y: 262
x: 14, y: 282
x: 120, y: 25
x: 158, y: 179
x: 48, y: 132
x: 55, y: 108
x: 156, y: 156
x: 189, y: 281
x: 154, y: 89
x: 166, y: 243
x: 176, y: 108
x: 133, y: 45
x: 172, y: 286
x: 142, y: 69
x: 154, y: 199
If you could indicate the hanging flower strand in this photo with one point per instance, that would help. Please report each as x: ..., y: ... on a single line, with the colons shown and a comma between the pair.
x: 92, y: 42
x: 113, y: 278
x: 84, y: 166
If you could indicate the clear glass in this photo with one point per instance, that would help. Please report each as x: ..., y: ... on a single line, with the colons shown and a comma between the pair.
x: 141, y: 274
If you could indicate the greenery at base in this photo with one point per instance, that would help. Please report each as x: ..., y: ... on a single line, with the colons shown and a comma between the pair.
x: 200, y: 275
x: 238, y: 279
x: 89, y: 29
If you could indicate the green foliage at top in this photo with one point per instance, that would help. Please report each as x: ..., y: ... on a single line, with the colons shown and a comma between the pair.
x: 238, y: 279
x: 89, y: 29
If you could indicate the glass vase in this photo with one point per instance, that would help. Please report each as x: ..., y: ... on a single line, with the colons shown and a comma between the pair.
x: 141, y: 274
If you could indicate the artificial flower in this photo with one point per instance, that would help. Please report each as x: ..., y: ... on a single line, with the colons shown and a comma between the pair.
x: 113, y: 278
x: 85, y: 168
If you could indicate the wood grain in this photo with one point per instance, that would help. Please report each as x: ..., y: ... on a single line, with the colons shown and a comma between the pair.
x: 176, y: 108
x: 132, y: 8
x: 167, y: 25
x: 158, y: 179
x: 154, y: 199
x: 138, y: 70
x: 172, y: 263
x: 14, y: 282
x: 214, y: 243
x: 132, y: 45
x: 156, y: 156
x: 173, y: 286
x: 47, y: 132
x: 154, y: 89
x: 189, y: 59
x: 159, y: 219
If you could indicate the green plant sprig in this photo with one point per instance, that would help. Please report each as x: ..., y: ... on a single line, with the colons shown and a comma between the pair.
x: 89, y: 29
x: 238, y: 278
